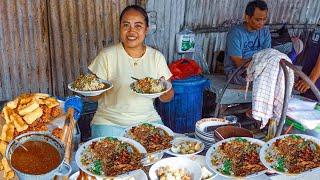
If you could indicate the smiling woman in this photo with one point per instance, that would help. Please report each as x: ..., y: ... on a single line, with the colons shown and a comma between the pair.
x: 120, y: 107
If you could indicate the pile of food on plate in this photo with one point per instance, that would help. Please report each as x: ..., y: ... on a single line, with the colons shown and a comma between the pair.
x: 27, y: 112
x: 186, y: 147
x: 151, y: 137
x: 111, y: 157
x: 168, y: 173
x: 148, y: 85
x: 237, y: 157
x: 88, y: 82
x: 293, y: 154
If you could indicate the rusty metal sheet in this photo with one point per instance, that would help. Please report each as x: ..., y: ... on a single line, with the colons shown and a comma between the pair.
x: 78, y: 31
x: 24, y: 48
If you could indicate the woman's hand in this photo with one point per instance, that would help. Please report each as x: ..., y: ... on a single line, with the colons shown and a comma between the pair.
x: 166, y: 97
x: 95, y: 98
x: 302, y: 86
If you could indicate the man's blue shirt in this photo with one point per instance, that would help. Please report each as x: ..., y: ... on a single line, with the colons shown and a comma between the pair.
x: 243, y: 43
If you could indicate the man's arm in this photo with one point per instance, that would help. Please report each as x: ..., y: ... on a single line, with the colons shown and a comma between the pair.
x: 302, y: 86
x: 238, y: 61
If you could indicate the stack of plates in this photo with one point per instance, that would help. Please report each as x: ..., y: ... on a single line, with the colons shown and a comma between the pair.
x: 204, y: 130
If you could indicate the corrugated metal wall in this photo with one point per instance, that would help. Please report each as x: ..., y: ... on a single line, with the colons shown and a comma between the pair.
x: 173, y: 15
x: 78, y: 30
x: 24, y: 48
x: 45, y: 44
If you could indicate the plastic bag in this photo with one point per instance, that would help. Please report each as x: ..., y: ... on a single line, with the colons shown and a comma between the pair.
x: 184, y: 68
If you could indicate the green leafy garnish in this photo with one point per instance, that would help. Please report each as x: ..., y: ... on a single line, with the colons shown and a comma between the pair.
x: 295, y: 137
x: 111, y: 139
x: 97, y: 167
x: 280, y: 165
x: 147, y: 124
x: 240, y: 139
x: 226, y: 168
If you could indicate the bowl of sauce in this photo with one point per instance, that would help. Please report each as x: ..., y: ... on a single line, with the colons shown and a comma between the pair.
x: 37, y: 155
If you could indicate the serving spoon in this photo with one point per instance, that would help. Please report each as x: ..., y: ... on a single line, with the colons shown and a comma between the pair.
x: 135, y: 78
x: 19, y: 144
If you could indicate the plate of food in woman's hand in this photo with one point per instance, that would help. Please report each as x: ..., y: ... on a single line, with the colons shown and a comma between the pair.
x: 90, y: 85
x: 150, y: 87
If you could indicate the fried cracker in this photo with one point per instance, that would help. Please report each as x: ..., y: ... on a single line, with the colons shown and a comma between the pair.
x: 7, y: 132
x: 3, y: 147
x: 6, y: 165
x: 13, y: 104
x: 7, y: 112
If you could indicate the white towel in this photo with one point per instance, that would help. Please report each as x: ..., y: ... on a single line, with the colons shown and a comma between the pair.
x: 268, y: 84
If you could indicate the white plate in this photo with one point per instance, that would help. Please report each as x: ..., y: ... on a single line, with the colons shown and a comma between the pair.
x: 92, y: 93
x: 185, y: 139
x: 207, y: 122
x: 270, y: 142
x: 139, y: 175
x: 201, y: 160
x: 167, y: 85
x: 84, y: 146
x: 192, y: 167
x: 155, y: 156
x: 216, y: 145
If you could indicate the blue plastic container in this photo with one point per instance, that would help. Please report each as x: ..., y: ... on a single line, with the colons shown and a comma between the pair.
x: 185, y: 109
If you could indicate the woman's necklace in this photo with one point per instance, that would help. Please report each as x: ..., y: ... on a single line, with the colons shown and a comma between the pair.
x: 136, y: 60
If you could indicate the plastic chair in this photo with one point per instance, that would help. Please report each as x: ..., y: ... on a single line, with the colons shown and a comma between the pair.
x: 283, y: 64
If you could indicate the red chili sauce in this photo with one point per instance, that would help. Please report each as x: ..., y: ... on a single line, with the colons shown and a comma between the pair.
x: 40, y: 158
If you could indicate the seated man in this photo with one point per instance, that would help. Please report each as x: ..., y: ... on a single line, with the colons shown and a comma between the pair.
x: 246, y: 39
x: 311, y: 66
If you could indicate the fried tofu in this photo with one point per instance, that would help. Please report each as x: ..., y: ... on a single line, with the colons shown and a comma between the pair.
x: 51, y: 102
x: 28, y: 108
x: 32, y: 116
x: 18, y: 122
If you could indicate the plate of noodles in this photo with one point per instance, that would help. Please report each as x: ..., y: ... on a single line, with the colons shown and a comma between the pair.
x: 236, y: 157
x: 292, y: 154
x: 90, y: 85
x: 110, y: 157
x: 155, y: 138
x: 150, y: 87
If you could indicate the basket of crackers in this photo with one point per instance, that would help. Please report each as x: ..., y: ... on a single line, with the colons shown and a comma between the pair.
x: 27, y: 112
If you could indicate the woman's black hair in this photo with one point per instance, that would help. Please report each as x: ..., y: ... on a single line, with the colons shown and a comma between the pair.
x: 251, y: 6
x: 137, y: 8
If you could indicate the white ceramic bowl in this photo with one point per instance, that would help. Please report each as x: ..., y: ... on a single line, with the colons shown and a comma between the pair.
x: 268, y: 144
x: 139, y: 174
x: 92, y: 93
x: 167, y: 85
x: 155, y: 156
x: 213, y: 148
x: 192, y: 167
x: 179, y: 140
x: 84, y: 146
